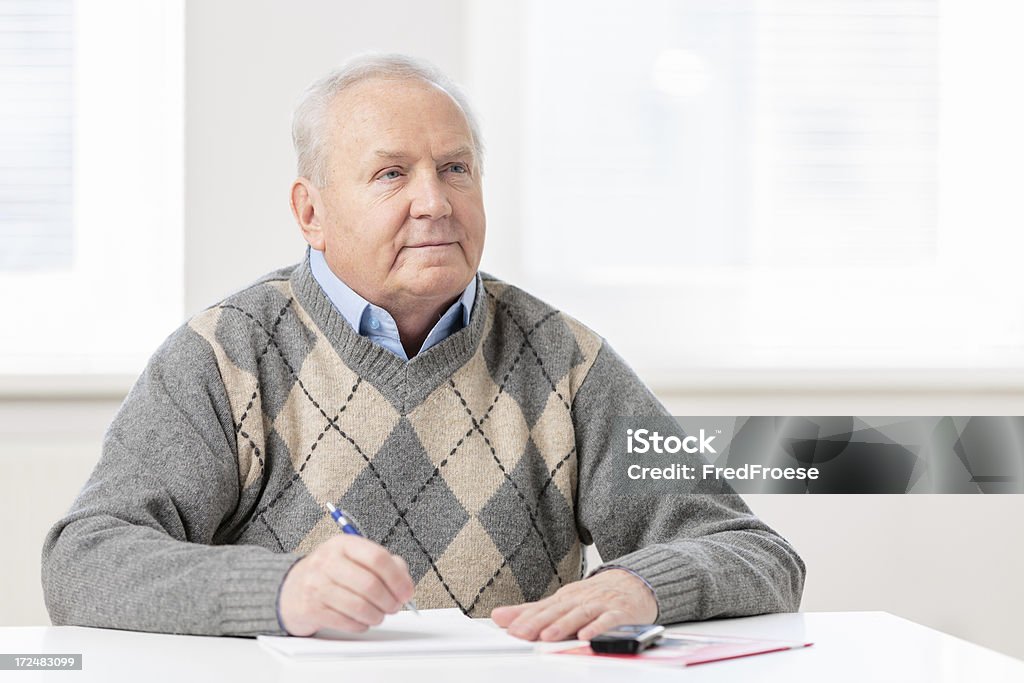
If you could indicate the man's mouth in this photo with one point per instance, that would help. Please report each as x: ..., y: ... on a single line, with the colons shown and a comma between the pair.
x: 424, y: 245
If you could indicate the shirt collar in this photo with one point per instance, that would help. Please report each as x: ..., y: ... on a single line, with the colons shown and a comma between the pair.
x: 360, y: 313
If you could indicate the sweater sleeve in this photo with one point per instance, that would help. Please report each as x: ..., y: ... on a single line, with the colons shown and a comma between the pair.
x: 139, y: 548
x: 704, y: 555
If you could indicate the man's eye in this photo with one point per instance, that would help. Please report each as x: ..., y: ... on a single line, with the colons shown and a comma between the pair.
x: 390, y: 175
x: 458, y: 168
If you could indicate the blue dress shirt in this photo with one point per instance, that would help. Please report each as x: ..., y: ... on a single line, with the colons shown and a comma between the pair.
x: 376, y: 324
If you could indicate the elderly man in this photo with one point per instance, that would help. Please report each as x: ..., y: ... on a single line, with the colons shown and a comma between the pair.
x: 462, y: 422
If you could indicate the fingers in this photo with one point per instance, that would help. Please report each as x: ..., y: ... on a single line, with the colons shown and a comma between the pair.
x: 359, y: 582
x: 572, y: 620
x: 582, y: 609
x: 503, y: 616
x: 389, y: 569
x: 403, y: 566
x: 538, y: 617
x: 333, y: 619
x: 337, y: 603
x: 348, y: 583
x: 604, y: 622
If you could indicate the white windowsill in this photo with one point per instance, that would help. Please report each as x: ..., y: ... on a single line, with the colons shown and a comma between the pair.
x: 100, y: 387
x: 64, y: 387
x: 836, y: 381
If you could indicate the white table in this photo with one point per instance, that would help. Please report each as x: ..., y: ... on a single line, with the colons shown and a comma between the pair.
x: 848, y: 646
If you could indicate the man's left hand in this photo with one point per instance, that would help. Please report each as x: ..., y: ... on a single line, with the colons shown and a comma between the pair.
x: 583, y: 608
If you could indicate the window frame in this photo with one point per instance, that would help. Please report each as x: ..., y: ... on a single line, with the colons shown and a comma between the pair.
x: 89, y: 329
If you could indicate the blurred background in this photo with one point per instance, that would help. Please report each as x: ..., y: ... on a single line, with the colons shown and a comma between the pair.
x: 803, y: 207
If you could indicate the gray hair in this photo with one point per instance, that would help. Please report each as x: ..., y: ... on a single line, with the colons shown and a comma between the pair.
x: 310, y: 120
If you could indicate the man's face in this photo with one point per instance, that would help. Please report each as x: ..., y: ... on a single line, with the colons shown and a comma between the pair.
x: 403, y: 221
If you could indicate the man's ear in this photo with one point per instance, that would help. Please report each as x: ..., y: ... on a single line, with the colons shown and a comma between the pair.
x: 308, y: 210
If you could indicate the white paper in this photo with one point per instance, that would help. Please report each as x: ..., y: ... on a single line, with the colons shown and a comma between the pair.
x: 432, y: 632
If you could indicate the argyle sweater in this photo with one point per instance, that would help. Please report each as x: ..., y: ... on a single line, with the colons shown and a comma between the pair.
x: 484, y: 462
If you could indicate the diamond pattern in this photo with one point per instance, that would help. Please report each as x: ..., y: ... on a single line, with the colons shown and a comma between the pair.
x: 289, y: 518
x: 470, y: 561
x: 554, y: 443
x: 244, y: 396
x: 506, y: 520
x: 423, y: 531
x: 529, y: 564
x: 532, y: 375
x: 283, y: 350
x: 474, y: 486
x: 345, y: 404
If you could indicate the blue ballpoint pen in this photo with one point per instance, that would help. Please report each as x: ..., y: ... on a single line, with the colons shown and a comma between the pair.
x: 348, y: 526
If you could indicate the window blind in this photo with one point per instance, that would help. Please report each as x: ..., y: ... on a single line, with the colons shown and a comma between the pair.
x: 36, y: 140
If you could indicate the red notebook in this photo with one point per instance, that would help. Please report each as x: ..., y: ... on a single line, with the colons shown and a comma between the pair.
x: 686, y: 649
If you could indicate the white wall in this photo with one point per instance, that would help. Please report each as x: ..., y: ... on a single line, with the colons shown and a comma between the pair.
x: 951, y: 562
x: 47, y: 450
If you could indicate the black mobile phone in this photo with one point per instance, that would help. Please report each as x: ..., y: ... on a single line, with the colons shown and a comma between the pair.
x: 627, y: 640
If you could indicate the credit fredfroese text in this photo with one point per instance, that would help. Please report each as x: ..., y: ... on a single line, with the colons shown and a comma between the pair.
x: 642, y: 441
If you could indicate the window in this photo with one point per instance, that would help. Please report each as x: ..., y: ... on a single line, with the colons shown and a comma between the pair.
x: 36, y: 51
x: 91, y: 237
x: 749, y: 185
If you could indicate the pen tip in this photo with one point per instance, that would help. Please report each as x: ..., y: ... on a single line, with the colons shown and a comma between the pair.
x: 331, y: 508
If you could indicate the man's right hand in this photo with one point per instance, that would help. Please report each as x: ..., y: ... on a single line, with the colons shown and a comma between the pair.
x: 348, y: 583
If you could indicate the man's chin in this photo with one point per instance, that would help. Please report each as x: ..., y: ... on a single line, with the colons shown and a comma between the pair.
x: 440, y: 281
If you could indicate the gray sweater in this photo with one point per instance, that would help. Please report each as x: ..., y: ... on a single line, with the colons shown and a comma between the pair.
x: 487, y: 462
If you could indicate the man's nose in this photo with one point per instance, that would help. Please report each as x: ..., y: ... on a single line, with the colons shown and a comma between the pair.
x: 429, y: 197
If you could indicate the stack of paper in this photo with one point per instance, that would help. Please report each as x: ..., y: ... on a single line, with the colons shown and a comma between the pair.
x: 432, y: 632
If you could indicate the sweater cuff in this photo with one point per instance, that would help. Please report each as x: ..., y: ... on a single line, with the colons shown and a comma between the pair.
x: 248, y: 600
x: 674, y: 578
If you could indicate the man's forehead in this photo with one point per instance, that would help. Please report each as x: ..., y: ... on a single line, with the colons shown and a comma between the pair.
x: 388, y: 115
